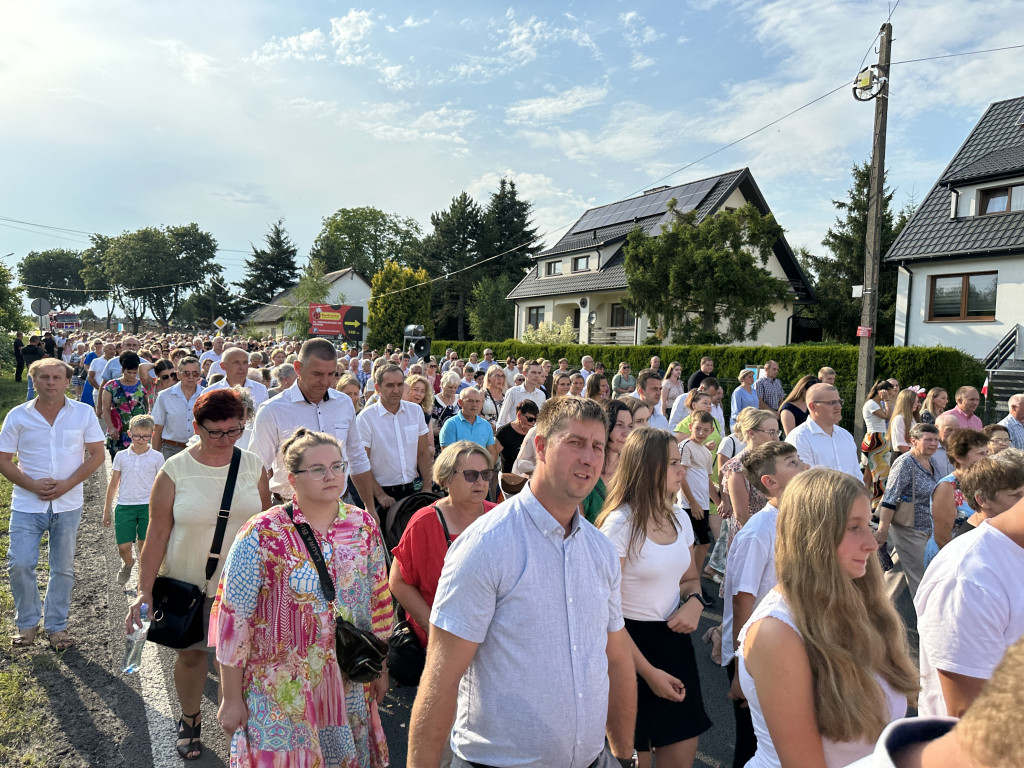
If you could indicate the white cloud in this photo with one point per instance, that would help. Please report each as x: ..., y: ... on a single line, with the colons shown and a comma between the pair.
x: 348, y: 33
x: 411, y: 23
x: 398, y: 121
x: 305, y: 46
x: 554, y: 108
x: 638, y: 34
x: 195, y: 66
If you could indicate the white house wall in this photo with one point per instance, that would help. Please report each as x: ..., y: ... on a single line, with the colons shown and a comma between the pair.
x: 975, y: 338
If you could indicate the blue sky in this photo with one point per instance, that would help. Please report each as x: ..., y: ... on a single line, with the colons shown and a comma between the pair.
x: 122, y: 115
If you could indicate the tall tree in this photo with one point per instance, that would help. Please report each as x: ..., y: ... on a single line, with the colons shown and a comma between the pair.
x: 207, y: 303
x: 12, y: 316
x: 491, y: 315
x: 400, y: 296
x: 270, y: 270
x: 312, y: 288
x: 835, y: 274
x: 94, y: 274
x: 56, y: 275
x: 364, y: 239
x: 706, y: 283
x: 448, y: 250
x: 507, y: 231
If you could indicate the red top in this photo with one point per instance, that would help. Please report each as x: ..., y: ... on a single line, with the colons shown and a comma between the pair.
x: 420, y: 554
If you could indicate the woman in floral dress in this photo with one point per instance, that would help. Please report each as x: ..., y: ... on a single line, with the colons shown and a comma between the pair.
x: 123, y: 398
x: 286, y: 702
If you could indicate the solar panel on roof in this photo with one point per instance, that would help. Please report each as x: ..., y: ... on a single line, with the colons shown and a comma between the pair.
x: 688, y: 197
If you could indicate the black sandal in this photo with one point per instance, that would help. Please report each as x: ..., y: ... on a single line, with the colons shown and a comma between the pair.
x: 194, y: 749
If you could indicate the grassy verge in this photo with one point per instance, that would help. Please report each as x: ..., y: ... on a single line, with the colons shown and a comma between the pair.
x: 23, y: 702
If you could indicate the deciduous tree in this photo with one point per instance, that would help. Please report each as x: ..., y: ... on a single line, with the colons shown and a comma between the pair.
x: 12, y: 316
x: 56, y: 275
x: 94, y: 274
x: 399, y: 296
x: 270, y: 270
x: 312, y: 288
x: 364, y: 239
x: 706, y: 283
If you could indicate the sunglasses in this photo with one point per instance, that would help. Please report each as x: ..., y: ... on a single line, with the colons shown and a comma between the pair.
x: 472, y: 475
x: 531, y: 419
x: 168, y: 376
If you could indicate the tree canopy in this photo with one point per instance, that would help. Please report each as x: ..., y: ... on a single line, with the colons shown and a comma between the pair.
x: 364, y: 239
x: 12, y: 316
x: 706, y: 283
x: 395, y: 303
x: 270, y: 270
x: 491, y: 315
x: 57, y: 273
x: 312, y: 288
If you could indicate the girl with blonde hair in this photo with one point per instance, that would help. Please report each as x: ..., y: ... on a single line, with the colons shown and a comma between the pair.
x: 823, y: 660
x: 661, y: 598
x: 903, y: 418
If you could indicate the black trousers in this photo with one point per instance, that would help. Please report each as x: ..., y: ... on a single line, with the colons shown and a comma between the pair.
x: 746, y: 741
x: 19, y: 368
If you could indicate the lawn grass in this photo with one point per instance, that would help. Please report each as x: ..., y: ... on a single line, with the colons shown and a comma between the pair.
x: 24, y: 705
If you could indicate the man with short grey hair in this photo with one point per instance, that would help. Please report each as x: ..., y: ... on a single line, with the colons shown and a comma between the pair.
x: 1014, y: 421
x: 947, y: 425
x: 587, y: 363
x: 236, y: 368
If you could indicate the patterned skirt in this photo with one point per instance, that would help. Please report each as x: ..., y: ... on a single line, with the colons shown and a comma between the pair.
x: 876, y: 453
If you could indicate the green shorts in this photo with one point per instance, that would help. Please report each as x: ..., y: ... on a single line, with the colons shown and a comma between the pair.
x: 130, y: 522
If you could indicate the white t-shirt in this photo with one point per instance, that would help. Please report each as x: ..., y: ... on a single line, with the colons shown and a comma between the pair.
x: 650, y: 578
x: 871, y: 421
x: 97, y: 366
x: 751, y: 569
x: 209, y: 355
x: 698, y: 460
x: 970, y: 609
x: 899, y: 431
x: 138, y: 473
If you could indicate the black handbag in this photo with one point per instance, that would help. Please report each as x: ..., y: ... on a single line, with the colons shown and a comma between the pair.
x: 406, y: 657
x: 361, y: 654
x: 177, y: 608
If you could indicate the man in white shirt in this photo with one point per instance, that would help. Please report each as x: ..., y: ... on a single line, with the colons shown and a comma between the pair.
x: 311, y: 403
x: 95, y: 374
x: 236, y: 369
x: 215, y: 353
x: 396, y: 439
x: 648, y: 389
x: 820, y: 440
x: 587, y: 363
x: 172, y: 411
x: 528, y: 390
x: 49, y: 435
x: 113, y: 368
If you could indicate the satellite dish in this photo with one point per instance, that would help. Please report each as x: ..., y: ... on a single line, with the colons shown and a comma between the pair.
x: 869, y: 83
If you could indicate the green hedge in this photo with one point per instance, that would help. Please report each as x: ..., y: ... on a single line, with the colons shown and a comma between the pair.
x: 925, y: 366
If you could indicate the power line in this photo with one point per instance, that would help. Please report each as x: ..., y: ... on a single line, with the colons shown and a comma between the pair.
x: 131, y: 289
x: 962, y: 53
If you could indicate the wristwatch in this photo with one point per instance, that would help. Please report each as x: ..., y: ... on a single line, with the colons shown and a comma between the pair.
x: 629, y: 762
x: 698, y: 595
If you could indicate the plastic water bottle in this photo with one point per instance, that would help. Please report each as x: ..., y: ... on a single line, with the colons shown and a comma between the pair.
x: 135, y: 642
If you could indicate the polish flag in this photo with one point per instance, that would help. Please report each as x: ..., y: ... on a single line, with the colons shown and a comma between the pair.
x: 984, y: 387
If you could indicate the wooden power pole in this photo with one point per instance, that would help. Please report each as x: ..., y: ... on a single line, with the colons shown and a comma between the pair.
x: 873, y: 247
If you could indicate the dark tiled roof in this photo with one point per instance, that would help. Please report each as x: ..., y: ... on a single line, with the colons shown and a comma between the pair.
x: 273, y: 314
x: 616, y: 220
x: 994, y: 148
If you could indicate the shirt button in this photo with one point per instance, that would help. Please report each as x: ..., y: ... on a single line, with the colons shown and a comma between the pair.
x: 574, y: 647
x: 580, y: 695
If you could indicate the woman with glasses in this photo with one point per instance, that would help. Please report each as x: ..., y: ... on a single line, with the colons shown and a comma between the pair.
x: 166, y: 375
x: 623, y: 383
x: 511, y: 436
x: 286, y: 701
x: 998, y: 438
x: 172, y: 411
x: 182, y: 521
x: 495, y: 384
x: 464, y: 469
x: 122, y: 398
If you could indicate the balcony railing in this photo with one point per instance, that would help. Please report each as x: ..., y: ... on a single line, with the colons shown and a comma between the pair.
x: 613, y: 336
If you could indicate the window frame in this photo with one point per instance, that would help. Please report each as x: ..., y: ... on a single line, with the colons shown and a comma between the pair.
x: 964, y: 296
x: 986, y: 194
x: 617, y: 307
x: 578, y: 258
x: 551, y: 267
x: 532, y: 312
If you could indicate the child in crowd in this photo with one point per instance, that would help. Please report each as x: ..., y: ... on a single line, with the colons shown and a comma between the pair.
x: 751, y: 572
x: 697, y: 490
x: 131, y: 481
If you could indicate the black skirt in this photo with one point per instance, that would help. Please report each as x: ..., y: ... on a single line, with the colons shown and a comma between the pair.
x: 660, y: 722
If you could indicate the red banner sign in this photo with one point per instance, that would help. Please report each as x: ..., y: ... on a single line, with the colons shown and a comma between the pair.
x: 863, y: 330
x: 340, y: 321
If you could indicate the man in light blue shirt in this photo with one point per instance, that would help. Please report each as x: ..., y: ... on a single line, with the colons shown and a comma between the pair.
x: 528, y: 653
x: 1014, y: 421
x: 468, y: 424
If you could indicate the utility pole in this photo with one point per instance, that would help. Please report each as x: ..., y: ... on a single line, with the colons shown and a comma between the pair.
x: 873, y: 247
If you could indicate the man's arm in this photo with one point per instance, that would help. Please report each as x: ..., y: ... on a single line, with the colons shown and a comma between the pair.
x: 93, y: 460
x: 959, y: 691
x: 158, y: 430
x: 621, y: 720
x: 16, y: 475
x: 425, y: 459
x: 433, y: 712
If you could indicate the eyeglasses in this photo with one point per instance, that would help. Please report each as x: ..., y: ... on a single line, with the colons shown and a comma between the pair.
x: 772, y: 432
x: 169, y: 376
x: 319, y: 471
x: 190, y: 374
x: 472, y: 475
x: 217, y: 434
x: 531, y: 419
x: 832, y: 403
x: 144, y: 438
x: 1000, y: 440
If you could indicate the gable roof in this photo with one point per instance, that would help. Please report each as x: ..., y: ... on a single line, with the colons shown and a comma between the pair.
x: 608, y: 226
x: 273, y: 314
x: 994, y: 149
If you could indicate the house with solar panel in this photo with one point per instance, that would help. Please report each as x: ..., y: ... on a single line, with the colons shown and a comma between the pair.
x: 583, y: 276
x: 961, y: 255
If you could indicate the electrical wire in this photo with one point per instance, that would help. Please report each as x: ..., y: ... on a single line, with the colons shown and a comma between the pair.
x: 132, y: 289
x: 962, y: 53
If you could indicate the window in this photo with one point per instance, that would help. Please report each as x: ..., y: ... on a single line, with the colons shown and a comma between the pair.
x: 963, y: 297
x: 534, y: 316
x: 621, y: 317
x: 1001, y: 200
x: 554, y: 268
x: 581, y: 264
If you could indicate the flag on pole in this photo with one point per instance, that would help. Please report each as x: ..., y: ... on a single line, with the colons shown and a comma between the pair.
x: 984, y: 387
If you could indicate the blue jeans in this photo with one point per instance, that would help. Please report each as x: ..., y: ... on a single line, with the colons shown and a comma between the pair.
x: 31, y: 390
x: 27, y: 529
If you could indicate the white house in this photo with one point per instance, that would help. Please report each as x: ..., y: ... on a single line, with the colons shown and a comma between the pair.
x: 583, y: 275
x: 346, y: 287
x: 961, y: 255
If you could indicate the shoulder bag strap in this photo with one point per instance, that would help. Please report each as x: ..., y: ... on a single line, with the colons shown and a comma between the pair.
x: 222, y: 515
x: 444, y: 525
x: 309, y: 539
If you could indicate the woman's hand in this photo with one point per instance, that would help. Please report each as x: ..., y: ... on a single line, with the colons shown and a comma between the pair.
x: 379, y: 688
x: 134, y: 618
x: 232, y: 715
x: 735, y: 693
x: 665, y: 686
x: 881, y: 536
x: 686, y: 617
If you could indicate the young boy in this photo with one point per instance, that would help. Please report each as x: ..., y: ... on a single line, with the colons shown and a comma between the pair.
x: 132, y: 480
x: 750, y: 572
x: 697, y: 489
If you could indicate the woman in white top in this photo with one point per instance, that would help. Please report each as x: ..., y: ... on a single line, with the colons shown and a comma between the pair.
x: 823, y: 660
x: 875, y: 444
x: 904, y: 416
x: 661, y: 597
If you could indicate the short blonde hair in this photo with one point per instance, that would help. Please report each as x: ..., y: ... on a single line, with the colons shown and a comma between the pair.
x: 142, y: 421
x: 449, y: 378
x: 448, y: 460
x: 50, y: 361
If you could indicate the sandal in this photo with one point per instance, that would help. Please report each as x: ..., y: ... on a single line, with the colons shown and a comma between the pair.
x: 60, y: 641
x: 24, y: 638
x: 189, y: 733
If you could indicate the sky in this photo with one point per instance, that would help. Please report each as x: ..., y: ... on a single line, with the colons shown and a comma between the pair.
x: 120, y: 115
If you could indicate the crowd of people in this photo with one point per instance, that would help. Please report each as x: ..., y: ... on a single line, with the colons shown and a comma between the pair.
x: 560, y: 521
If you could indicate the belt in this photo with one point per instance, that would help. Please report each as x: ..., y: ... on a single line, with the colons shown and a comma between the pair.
x: 484, y: 765
x: 391, y: 490
x: 173, y: 443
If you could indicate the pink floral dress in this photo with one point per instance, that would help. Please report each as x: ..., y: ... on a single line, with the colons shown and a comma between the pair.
x: 270, y: 617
